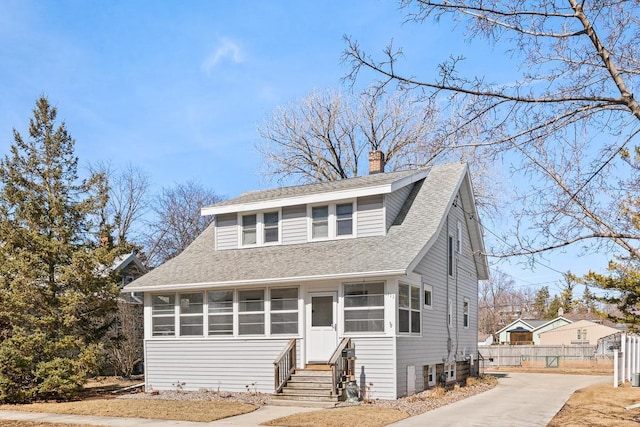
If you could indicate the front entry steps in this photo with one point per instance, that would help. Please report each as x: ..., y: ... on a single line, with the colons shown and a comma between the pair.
x: 311, y: 386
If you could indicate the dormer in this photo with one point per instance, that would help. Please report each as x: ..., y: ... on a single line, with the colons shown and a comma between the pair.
x: 346, y: 209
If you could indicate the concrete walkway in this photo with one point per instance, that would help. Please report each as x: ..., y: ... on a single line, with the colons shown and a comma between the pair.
x: 519, y: 400
x: 251, y: 419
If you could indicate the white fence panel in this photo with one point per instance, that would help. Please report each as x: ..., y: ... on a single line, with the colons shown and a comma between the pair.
x: 626, y: 361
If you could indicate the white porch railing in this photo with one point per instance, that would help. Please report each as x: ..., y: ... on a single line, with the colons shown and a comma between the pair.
x: 626, y: 360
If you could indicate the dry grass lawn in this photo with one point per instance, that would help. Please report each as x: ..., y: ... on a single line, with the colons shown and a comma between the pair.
x: 600, y: 405
x: 160, y: 409
x: 364, y: 416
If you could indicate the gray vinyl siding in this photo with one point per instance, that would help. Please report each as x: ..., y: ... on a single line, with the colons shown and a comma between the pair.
x: 394, y: 202
x: 226, y: 232
x: 294, y: 224
x: 431, y: 347
x: 375, y: 364
x: 228, y: 365
x: 370, y: 216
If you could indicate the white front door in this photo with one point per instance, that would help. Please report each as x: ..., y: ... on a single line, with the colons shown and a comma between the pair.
x: 322, y: 337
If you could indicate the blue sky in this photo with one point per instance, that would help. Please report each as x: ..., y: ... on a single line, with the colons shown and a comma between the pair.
x: 178, y: 87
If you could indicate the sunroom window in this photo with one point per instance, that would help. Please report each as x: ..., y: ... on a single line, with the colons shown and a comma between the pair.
x: 163, y: 321
x: 284, y: 311
x: 251, y: 312
x: 364, y: 307
x: 409, y: 309
x: 220, y: 312
x: 191, y: 314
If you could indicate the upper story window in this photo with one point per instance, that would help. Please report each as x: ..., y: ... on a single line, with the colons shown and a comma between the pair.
x: 319, y: 222
x: 459, y: 237
x: 344, y: 219
x: 270, y: 221
x: 450, y: 256
x: 331, y: 221
x: 465, y: 313
x: 260, y: 228
x: 249, y: 229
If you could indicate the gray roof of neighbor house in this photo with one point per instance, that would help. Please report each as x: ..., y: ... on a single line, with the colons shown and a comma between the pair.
x: 395, y: 253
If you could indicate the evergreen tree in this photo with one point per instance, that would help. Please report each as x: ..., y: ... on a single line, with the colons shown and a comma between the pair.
x: 623, y: 290
x: 55, y: 295
x: 589, y: 301
x: 554, y: 307
x: 566, y: 295
x: 540, y: 304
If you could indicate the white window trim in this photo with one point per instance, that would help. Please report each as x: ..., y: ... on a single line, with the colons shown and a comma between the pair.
x: 410, y: 309
x: 383, y: 307
x: 235, y: 315
x: 156, y: 316
x: 260, y: 229
x: 181, y: 315
x: 466, y: 312
x: 270, y: 311
x: 263, y: 312
x: 427, y: 288
x: 431, y: 372
x: 450, y: 370
x: 332, y: 233
x: 234, y: 323
x: 451, y: 271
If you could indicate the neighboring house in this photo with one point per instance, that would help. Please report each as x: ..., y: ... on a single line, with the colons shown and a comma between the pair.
x: 384, y: 267
x: 527, y: 332
x: 579, y: 332
x: 129, y: 267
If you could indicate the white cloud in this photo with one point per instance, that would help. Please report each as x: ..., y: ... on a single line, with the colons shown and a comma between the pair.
x: 226, y: 50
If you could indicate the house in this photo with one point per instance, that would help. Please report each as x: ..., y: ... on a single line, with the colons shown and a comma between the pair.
x: 372, y: 278
x: 526, y: 332
x: 128, y: 267
x: 582, y: 332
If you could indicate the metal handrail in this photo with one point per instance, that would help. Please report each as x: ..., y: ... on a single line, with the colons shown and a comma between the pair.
x: 285, y: 365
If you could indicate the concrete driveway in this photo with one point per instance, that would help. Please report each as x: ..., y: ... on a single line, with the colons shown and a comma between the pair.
x: 518, y: 400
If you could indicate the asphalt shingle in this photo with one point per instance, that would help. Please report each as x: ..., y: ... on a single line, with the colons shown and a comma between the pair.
x: 416, y: 225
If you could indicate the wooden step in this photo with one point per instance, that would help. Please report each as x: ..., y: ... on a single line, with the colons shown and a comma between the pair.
x: 318, y: 366
x: 307, y: 397
x: 308, y: 384
x: 308, y: 391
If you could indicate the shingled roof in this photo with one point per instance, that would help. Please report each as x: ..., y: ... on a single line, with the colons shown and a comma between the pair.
x: 393, y: 254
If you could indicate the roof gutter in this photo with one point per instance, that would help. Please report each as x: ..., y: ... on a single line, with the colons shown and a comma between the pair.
x: 202, y: 285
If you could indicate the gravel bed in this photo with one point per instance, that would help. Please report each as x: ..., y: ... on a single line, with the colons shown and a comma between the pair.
x: 435, y: 398
x: 413, y: 405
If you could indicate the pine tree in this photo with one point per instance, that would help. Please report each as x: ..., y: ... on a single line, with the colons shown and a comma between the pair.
x: 540, y: 304
x: 622, y: 288
x: 566, y: 295
x: 55, y: 295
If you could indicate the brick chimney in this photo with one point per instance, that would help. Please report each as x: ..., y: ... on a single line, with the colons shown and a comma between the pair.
x: 376, y: 162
